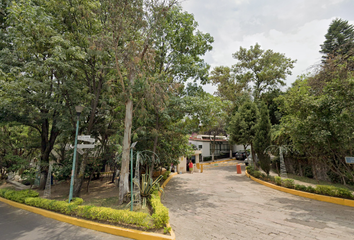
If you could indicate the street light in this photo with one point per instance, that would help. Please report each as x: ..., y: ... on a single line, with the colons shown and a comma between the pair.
x: 78, y: 113
x: 131, y: 174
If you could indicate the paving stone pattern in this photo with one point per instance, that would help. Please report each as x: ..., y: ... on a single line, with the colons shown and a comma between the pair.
x: 219, y: 204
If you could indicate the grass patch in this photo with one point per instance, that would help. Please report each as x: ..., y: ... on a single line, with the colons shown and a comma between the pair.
x: 314, y: 181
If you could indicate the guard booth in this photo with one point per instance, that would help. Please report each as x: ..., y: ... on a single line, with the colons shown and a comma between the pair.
x: 182, y: 166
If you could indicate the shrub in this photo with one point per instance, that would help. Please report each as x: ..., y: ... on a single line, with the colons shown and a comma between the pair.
x: 325, y: 190
x: 19, y: 196
x: 271, y: 179
x: 288, y: 183
x: 264, y: 176
x: 344, y: 193
x: 277, y: 180
x: 92, y: 212
x: 250, y: 170
x: 3, y: 191
x: 160, y: 212
x: 165, y: 175
x: 310, y: 189
x: 300, y: 187
x: 77, y: 201
x: 113, y: 215
x: 257, y: 174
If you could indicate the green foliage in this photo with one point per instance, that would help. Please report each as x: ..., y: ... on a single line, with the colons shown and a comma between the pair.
x: 278, y: 180
x: 242, y: 128
x: 271, y: 179
x: 257, y: 174
x: 250, y: 170
x: 28, y: 175
x: 18, y: 196
x: 167, y: 230
x: 265, y: 70
x: 160, y: 212
x: 147, y: 185
x: 262, y: 138
x: 166, y: 175
x: 300, y: 187
x: 288, y: 183
x: 344, y: 193
x: 310, y: 189
x: 92, y: 212
x: 326, y: 190
x: 112, y: 215
x: 339, y: 38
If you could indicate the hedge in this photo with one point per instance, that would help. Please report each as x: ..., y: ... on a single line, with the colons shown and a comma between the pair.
x: 319, y: 189
x: 17, y: 196
x: 160, y: 212
x: 158, y: 219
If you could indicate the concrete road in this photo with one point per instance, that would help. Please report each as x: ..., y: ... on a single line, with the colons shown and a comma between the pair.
x: 23, y: 225
x: 219, y: 204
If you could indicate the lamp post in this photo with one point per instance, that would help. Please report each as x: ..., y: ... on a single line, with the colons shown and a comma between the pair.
x: 78, y: 113
x: 131, y: 175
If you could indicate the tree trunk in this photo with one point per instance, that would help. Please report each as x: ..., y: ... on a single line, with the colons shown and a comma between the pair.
x: 47, y: 144
x: 124, y: 173
x: 80, y: 173
x: 154, y: 148
x: 253, y: 156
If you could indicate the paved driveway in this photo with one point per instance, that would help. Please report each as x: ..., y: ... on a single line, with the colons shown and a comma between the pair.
x: 219, y: 204
x: 19, y: 224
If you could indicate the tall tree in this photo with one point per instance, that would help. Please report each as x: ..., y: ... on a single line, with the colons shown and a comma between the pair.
x: 178, y: 47
x: 128, y: 35
x: 242, y: 128
x: 262, y: 139
x: 261, y: 70
x: 339, y: 38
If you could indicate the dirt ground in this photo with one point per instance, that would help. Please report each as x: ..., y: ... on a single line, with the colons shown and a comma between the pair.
x: 98, y: 189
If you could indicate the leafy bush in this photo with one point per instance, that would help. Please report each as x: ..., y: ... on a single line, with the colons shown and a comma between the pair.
x: 77, y: 201
x: 257, y: 174
x: 310, y: 189
x: 300, y: 187
x: 19, y: 196
x: 277, y: 180
x: 165, y: 175
x: 271, y: 179
x: 160, y: 212
x: 112, y: 215
x: 250, y: 170
x: 264, y: 176
x: 325, y: 190
x: 288, y: 183
x: 344, y: 193
x: 92, y: 212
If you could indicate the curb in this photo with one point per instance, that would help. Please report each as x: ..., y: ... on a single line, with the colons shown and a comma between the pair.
x: 200, y: 166
x: 119, y: 231
x: 335, y: 200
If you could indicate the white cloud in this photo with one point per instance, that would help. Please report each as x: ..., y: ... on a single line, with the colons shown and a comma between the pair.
x: 295, y: 28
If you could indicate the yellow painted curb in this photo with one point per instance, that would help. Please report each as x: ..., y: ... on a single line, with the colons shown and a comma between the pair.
x: 173, y: 236
x: 216, y: 162
x: 119, y: 231
x: 340, y: 201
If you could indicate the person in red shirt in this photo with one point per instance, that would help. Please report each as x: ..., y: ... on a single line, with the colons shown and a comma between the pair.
x: 190, y: 166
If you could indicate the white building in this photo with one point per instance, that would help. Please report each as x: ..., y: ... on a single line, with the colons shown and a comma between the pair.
x: 222, y: 145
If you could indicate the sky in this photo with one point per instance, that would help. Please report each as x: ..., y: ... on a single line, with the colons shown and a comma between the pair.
x: 295, y: 28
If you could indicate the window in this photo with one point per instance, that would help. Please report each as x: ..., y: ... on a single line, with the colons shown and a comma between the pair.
x: 200, y: 147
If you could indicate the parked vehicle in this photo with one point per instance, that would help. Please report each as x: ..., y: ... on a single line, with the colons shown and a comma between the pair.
x: 241, y: 155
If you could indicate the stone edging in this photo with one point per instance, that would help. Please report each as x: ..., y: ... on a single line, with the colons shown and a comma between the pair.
x: 340, y: 201
x: 119, y: 231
